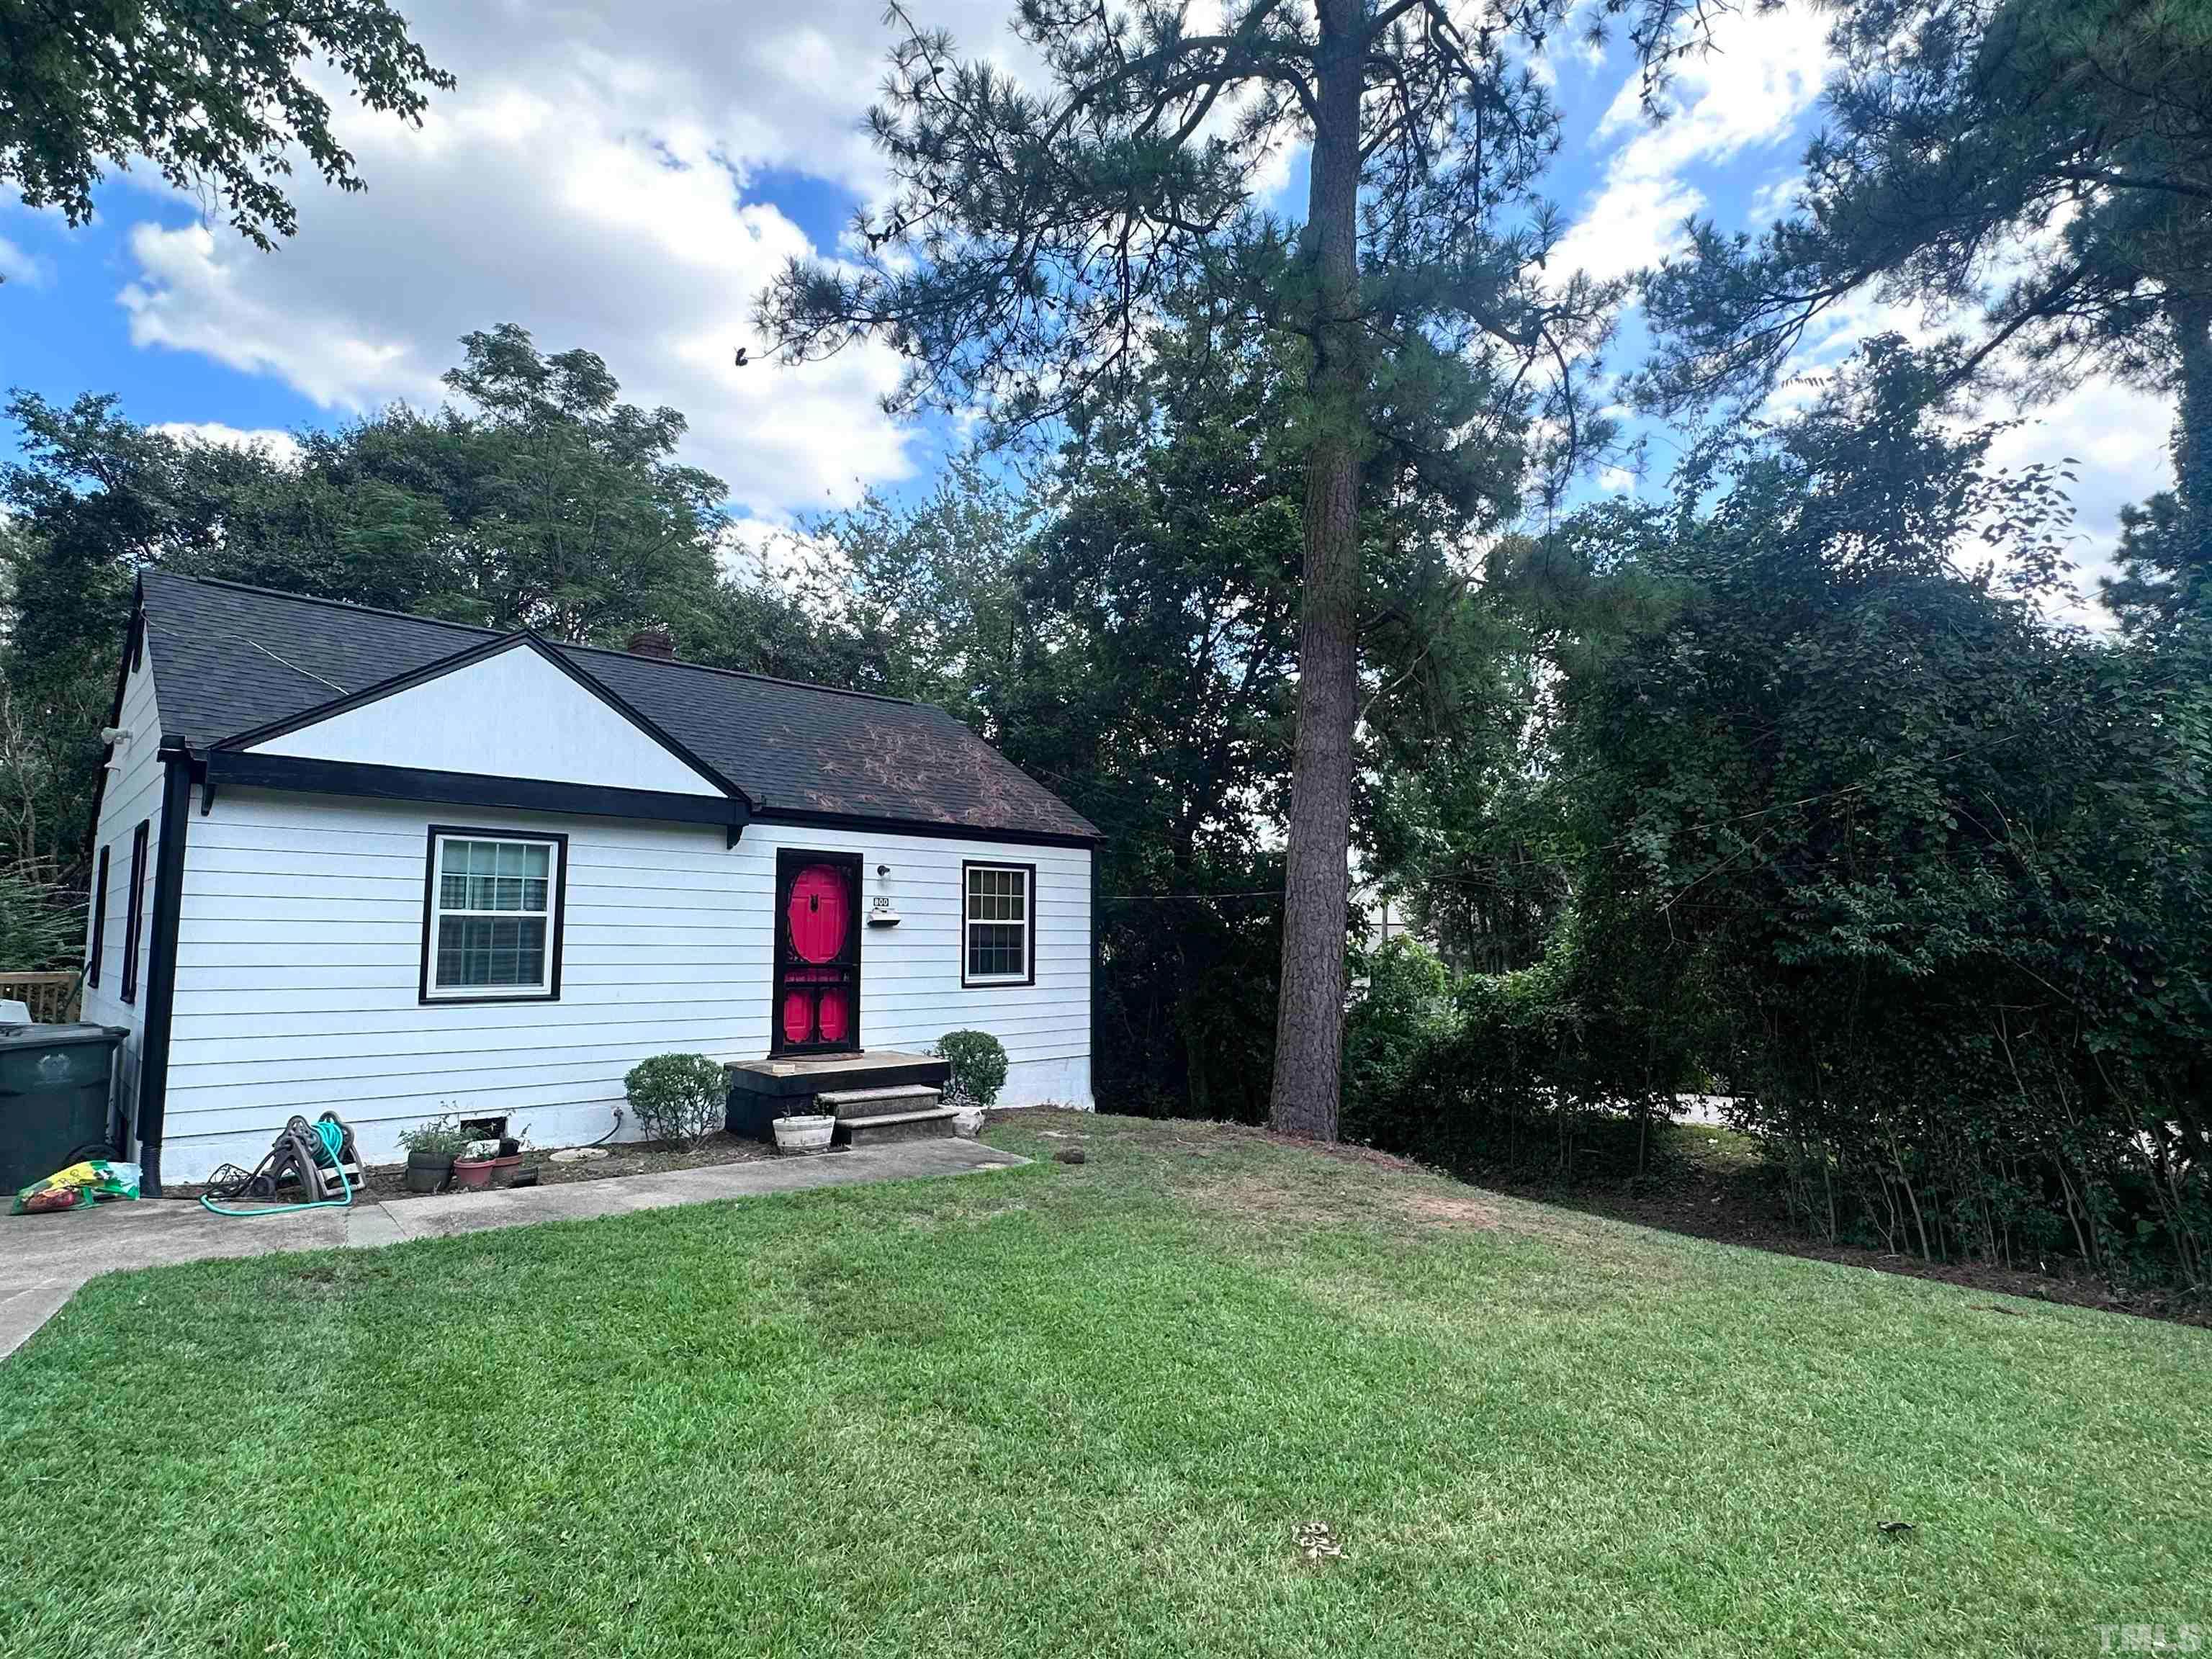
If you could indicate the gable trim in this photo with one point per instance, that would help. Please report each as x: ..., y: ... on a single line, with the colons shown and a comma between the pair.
x: 480, y: 651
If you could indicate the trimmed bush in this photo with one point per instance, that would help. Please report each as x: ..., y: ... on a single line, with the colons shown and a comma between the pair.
x: 979, y: 1063
x: 676, y: 1098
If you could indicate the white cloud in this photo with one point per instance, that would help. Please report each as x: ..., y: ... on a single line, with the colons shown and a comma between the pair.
x: 281, y: 447
x: 1773, y: 198
x: 2120, y: 439
x: 590, y: 180
x: 1750, y: 92
x: 1630, y: 225
x: 18, y: 266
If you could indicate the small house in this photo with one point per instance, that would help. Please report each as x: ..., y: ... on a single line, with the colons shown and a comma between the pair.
x: 356, y: 860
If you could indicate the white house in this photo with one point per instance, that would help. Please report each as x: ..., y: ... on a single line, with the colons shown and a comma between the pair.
x: 350, y: 859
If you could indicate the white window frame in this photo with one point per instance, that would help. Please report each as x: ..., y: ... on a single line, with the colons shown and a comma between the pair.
x: 547, y: 986
x: 969, y: 922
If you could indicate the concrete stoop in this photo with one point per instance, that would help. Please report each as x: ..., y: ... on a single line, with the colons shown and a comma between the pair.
x: 870, y: 1117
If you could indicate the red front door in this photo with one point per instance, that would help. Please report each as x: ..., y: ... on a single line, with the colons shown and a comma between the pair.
x: 817, y: 953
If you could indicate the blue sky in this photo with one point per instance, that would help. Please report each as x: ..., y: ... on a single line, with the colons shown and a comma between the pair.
x: 625, y: 177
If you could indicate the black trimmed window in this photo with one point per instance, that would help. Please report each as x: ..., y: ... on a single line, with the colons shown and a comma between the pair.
x: 99, y: 923
x: 135, y: 922
x: 998, y: 924
x: 491, y: 915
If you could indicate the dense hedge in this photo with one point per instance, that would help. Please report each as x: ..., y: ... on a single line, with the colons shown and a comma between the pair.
x: 1920, y: 878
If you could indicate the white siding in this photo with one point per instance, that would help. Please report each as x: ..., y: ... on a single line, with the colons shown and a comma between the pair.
x: 512, y: 715
x: 300, y: 951
x: 132, y: 796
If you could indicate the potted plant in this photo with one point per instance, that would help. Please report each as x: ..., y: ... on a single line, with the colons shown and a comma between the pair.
x: 507, y: 1163
x: 802, y: 1131
x: 431, y: 1148
x: 472, y: 1164
x: 967, y: 1122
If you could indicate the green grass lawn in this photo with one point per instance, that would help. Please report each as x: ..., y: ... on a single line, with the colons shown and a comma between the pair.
x: 1083, y: 1410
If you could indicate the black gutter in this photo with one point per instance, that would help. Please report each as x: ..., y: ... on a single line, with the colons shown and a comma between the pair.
x: 161, y: 967
x: 240, y: 768
x: 931, y: 828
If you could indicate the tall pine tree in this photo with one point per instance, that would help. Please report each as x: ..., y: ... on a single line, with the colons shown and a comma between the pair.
x: 1031, y: 233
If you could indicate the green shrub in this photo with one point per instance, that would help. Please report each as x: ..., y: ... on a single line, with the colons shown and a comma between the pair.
x: 979, y: 1063
x: 676, y: 1098
x: 440, y: 1137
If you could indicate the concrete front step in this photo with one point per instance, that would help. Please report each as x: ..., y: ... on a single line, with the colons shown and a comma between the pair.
x: 848, y: 1104
x: 936, y: 1123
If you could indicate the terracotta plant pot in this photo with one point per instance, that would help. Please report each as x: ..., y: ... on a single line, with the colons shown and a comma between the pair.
x: 472, y: 1171
x: 810, y: 1134
x: 503, y: 1168
x: 428, y: 1171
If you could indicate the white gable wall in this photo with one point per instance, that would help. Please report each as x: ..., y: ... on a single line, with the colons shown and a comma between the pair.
x: 512, y: 715
x: 132, y: 796
x: 300, y: 949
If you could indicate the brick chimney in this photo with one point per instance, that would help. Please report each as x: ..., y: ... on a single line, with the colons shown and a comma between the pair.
x: 653, y: 641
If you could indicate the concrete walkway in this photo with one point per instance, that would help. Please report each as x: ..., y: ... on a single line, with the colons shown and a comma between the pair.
x: 44, y: 1258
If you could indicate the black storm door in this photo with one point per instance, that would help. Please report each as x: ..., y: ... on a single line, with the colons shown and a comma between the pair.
x: 816, y: 1007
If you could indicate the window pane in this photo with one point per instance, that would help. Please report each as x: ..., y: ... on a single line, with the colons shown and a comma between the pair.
x: 479, y: 952
x: 998, y: 895
x: 496, y: 875
x: 995, y: 948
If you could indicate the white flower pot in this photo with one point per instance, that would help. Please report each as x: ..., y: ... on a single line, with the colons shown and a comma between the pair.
x: 968, y: 1124
x: 805, y: 1134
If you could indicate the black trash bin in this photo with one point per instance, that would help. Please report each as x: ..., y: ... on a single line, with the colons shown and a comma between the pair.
x: 56, y: 1083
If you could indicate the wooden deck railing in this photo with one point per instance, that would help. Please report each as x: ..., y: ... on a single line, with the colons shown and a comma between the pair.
x: 54, y: 998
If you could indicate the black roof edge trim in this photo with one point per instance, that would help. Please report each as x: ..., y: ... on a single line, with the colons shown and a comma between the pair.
x: 115, y: 713
x: 491, y: 646
x: 243, y: 770
x: 860, y: 821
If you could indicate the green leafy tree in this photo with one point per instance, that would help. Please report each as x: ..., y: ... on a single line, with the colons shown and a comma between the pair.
x: 2040, y: 170
x: 1030, y: 237
x: 925, y: 595
x: 1932, y: 870
x: 544, y: 501
x: 212, y: 94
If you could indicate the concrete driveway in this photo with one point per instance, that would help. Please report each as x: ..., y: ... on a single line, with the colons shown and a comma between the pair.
x: 44, y: 1258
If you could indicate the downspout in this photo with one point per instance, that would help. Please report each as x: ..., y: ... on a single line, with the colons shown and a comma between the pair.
x: 162, y: 965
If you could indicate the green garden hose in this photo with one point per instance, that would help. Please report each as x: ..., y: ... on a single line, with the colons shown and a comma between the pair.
x: 330, y: 1143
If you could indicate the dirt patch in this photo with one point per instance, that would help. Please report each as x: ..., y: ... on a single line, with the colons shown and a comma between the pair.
x: 1254, y: 1199
x: 1269, y: 1199
x: 1443, y: 1208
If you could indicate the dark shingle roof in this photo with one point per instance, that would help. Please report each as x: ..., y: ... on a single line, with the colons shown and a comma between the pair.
x: 228, y: 658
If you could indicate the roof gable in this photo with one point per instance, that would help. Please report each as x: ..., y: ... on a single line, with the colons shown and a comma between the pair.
x: 509, y: 708
x: 236, y: 661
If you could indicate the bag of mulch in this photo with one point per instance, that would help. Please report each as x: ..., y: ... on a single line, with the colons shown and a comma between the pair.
x: 79, y: 1187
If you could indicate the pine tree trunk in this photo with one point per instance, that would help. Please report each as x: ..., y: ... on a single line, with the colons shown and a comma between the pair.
x: 1310, y: 1016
